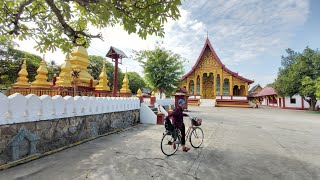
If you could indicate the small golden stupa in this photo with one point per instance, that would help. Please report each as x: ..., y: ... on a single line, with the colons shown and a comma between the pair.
x: 152, y: 94
x: 125, y: 85
x: 22, y: 81
x: 103, y: 81
x: 65, y: 78
x: 41, y: 79
x: 139, y: 93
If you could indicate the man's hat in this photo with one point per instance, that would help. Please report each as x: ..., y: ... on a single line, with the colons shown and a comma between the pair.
x: 181, y: 101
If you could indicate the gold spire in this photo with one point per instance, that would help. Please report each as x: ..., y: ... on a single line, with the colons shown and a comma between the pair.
x: 65, y: 78
x: 103, y: 81
x: 22, y: 81
x: 152, y: 94
x: 41, y: 78
x: 139, y: 93
x: 79, y: 59
x: 125, y: 85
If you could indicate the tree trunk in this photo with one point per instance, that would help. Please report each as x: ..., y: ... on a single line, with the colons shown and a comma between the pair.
x: 160, y: 93
x: 312, y: 103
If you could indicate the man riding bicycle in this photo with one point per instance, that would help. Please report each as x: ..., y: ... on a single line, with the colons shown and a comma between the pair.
x: 177, y: 115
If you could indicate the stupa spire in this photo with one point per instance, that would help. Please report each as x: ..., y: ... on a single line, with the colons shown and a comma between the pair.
x: 22, y: 81
x: 65, y: 78
x: 41, y: 79
x: 103, y: 81
x: 125, y: 85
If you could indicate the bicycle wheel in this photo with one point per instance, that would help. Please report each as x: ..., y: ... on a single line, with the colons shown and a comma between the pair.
x: 167, y: 144
x: 196, y: 137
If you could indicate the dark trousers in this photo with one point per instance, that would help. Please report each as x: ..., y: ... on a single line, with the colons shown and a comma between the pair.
x: 183, y: 134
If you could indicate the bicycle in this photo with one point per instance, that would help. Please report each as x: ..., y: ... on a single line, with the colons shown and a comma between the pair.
x: 171, y: 139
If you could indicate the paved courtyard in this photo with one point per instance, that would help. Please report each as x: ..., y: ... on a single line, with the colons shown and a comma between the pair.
x: 264, y: 143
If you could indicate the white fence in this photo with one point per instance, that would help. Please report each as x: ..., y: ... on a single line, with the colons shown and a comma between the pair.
x: 232, y: 97
x: 164, y: 102
x: 18, y: 108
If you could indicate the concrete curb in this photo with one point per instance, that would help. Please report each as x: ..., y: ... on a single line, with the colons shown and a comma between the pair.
x: 37, y: 156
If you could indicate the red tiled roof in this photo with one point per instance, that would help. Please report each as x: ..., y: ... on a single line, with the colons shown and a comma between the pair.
x: 266, y: 91
x: 207, y: 43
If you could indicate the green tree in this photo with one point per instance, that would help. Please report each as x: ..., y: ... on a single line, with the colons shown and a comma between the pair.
x: 299, y: 74
x: 53, y: 69
x: 135, y: 82
x: 10, y: 63
x: 64, y: 23
x: 95, y: 67
x: 162, y: 68
x: 318, y: 89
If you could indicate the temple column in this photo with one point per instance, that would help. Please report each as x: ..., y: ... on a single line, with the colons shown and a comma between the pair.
x: 188, y: 82
x: 246, y: 89
x: 221, y: 82
x: 195, y: 86
x: 201, y: 84
x: 231, y: 86
x: 214, y: 84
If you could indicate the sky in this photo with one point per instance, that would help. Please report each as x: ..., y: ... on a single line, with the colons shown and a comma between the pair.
x: 249, y: 36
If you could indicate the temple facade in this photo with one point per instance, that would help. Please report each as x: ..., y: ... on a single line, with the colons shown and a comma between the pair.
x: 210, y: 79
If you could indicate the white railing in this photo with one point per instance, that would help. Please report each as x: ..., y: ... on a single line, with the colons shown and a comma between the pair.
x: 18, y: 108
x: 239, y: 97
x: 147, y: 116
x: 164, y: 102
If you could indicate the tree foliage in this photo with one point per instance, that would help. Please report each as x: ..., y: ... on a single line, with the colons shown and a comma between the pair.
x: 162, y: 68
x: 65, y: 23
x: 299, y: 74
x: 135, y: 82
x: 95, y: 67
x: 11, y: 60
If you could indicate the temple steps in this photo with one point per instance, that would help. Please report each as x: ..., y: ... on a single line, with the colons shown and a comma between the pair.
x: 207, y: 102
x: 233, y: 103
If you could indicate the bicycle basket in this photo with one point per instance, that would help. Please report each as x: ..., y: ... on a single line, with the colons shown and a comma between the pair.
x: 168, y: 125
x: 196, y: 121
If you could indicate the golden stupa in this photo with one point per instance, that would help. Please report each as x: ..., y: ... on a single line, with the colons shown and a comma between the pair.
x: 103, y: 81
x: 79, y: 61
x: 41, y: 79
x: 125, y: 85
x: 22, y: 81
x: 139, y: 93
x: 65, y: 78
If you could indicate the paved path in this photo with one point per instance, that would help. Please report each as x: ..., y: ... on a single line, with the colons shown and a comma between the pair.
x: 262, y: 143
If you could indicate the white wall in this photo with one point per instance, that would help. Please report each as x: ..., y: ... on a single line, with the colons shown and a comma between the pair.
x: 298, y: 103
x: 164, y: 102
x: 147, y: 116
x: 239, y: 97
x: 17, y: 108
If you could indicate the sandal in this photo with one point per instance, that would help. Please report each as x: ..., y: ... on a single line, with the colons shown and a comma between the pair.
x: 186, y: 149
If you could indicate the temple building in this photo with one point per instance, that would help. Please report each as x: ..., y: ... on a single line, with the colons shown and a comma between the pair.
x: 210, y: 79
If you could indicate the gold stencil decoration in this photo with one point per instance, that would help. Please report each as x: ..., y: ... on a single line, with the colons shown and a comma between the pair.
x: 207, y: 61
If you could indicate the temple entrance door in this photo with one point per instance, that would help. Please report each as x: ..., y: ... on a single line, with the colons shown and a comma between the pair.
x: 208, y: 89
x: 236, y: 90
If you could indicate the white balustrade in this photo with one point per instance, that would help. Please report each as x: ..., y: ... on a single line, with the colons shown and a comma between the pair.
x: 4, y: 108
x: 46, y: 108
x: 59, y: 105
x: 17, y: 108
x: 69, y: 106
x: 33, y: 107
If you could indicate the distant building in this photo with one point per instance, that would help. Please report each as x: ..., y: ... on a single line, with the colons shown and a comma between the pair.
x: 268, y: 97
x: 254, y: 91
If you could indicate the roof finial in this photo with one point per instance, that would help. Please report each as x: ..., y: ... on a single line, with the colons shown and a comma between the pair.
x: 207, y: 33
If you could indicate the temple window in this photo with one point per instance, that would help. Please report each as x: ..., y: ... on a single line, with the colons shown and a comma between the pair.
x: 198, y: 85
x: 191, y: 87
x: 218, y: 85
x: 226, y: 87
x: 292, y: 100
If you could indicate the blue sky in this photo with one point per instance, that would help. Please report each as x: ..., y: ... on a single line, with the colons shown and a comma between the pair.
x: 249, y: 36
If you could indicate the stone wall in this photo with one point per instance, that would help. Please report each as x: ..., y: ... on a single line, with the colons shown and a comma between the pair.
x: 22, y: 139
